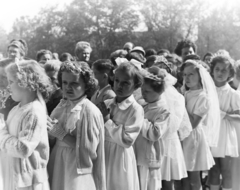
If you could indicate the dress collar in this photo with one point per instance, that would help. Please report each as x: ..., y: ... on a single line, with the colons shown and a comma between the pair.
x: 125, y: 103
x: 75, y: 105
x: 224, y: 87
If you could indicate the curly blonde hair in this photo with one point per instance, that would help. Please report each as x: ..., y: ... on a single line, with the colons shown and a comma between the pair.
x: 31, y: 75
x: 83, y: 70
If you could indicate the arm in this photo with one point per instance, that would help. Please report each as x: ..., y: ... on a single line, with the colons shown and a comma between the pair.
x: 233, y: 116
x: 195, y: 120
x: 125, y: 135
x: 27, y: 140
x: 153, y: 131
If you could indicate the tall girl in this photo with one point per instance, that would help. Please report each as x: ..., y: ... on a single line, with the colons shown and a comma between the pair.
x: 77, y: 159
x: 24, y: 140
x: 203, y: 110
x: 123, y: 123
x: 229, y: 99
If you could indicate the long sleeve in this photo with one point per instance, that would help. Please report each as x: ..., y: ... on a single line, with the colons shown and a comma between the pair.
x: 27, y: 140
x: 153, y: 131
x: 125, y: 135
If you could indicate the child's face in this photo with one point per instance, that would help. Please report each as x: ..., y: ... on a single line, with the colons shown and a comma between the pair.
x: 17, y: 92
x: 123, y: 84
x: 191, y: 77
x: 221, y: 72
x: 72, y: 85
x: 149, y: 95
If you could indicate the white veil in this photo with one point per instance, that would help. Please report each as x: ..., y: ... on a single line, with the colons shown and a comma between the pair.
x: 212, y: 120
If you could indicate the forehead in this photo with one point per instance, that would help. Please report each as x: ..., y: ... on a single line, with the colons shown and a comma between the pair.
x: 46, y: 55
x: 222, y: 65
x: 124, y: 75
x: 187, y: 49
x: 70, y: 77
x: 13, y: 48
x: 190, y: 69
x: 86, y: 50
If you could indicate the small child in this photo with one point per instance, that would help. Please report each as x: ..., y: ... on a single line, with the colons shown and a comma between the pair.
x: 123, y: 118
x: 24, y: 140
x: 52, y: 68
x: 77, y: 159
x: 222, y: 71
x: 158, y: 148
x: 103, y: 72
x: 203, y: 110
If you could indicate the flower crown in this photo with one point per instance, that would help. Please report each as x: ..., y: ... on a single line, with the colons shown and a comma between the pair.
x: 152, y: 76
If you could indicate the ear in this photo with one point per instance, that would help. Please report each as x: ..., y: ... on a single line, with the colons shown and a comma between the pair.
x: 105, y: 76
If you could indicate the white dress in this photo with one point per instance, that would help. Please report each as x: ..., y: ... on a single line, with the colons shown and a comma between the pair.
x: 196, y: 151
x: 10, y: 166
x: 120, y: 134
x: 229, y: 100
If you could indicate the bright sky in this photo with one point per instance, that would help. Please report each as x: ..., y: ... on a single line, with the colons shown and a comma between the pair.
x: 12, y: 9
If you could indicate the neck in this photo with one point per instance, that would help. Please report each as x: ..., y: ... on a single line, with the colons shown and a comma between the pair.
x: 197, y: 87
x: 220, y: 84
x: 29, y: 97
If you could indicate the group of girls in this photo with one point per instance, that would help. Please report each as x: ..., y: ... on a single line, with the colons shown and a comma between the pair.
x: 117, y: 141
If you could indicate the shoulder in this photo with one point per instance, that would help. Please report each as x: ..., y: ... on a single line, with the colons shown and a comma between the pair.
x: 90, y: 108
x: 137, y: 107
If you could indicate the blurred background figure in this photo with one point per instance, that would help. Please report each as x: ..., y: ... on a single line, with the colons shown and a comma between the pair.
x: 128, y: 46
x: 66, y: 57
x: 1, y: 56
x: 207, y: 58
x: 43, y: 56
x: 55, y: 56
x: 83, y: 51
x: 17, y: 50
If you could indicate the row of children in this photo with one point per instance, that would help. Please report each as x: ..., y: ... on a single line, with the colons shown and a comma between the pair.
x: 131, y: 143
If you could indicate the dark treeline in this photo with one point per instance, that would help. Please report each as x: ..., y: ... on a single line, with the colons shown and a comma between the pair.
x: 108, y: 24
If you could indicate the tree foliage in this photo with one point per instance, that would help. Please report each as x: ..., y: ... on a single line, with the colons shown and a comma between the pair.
x: 108, y: 24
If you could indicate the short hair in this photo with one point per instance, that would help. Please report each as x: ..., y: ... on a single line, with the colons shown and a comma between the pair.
x: 223, y: 59
x: 207, y: 54
x: 134, y: 71
x: 82, y: 45
x: 82, y: 69
x: 104, y: 66
x: 150, y: 59
x: 52, y: 65
x: 185, y: 44
x: 162, y: 51
x: 192, y: 57
x: 150, y: 52
x: 21, y: 44
x: 157, y: 86
x: 137, y: 56
x: 66, y: 57
x: 42, y: 52
x: 31, y: 75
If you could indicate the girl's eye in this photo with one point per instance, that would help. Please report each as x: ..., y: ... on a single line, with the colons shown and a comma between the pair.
x: 64, y: 82
x: 116, y: 80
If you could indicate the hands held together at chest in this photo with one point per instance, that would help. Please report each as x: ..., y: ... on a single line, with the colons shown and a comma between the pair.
x: 55, y: 129
x: 105, y: 111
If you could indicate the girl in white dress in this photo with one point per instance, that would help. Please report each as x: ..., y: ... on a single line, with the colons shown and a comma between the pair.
x: 123, y: 118
x: 158, y: 148
x: 24, y: 149
x: 236, y: 161
x: 204, y: 113
x: 222, y: 71
x: 76, y: 126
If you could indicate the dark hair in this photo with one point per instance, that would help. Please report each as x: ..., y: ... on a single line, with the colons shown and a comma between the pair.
x: 223, y: 59
x: 137, y: 56
x: 185, y: 44
x: 150, y: 52
x: 83, y: 70
x: 134, y: 71
x: 66, y: 57
x: 157, y: 86
x: 118, y: 53
x: 162, y: 51
x: 207, y: 54
x: 192, y: 57
x: 150, y: 59
x: 42, y: 52
x: 104, y: 66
